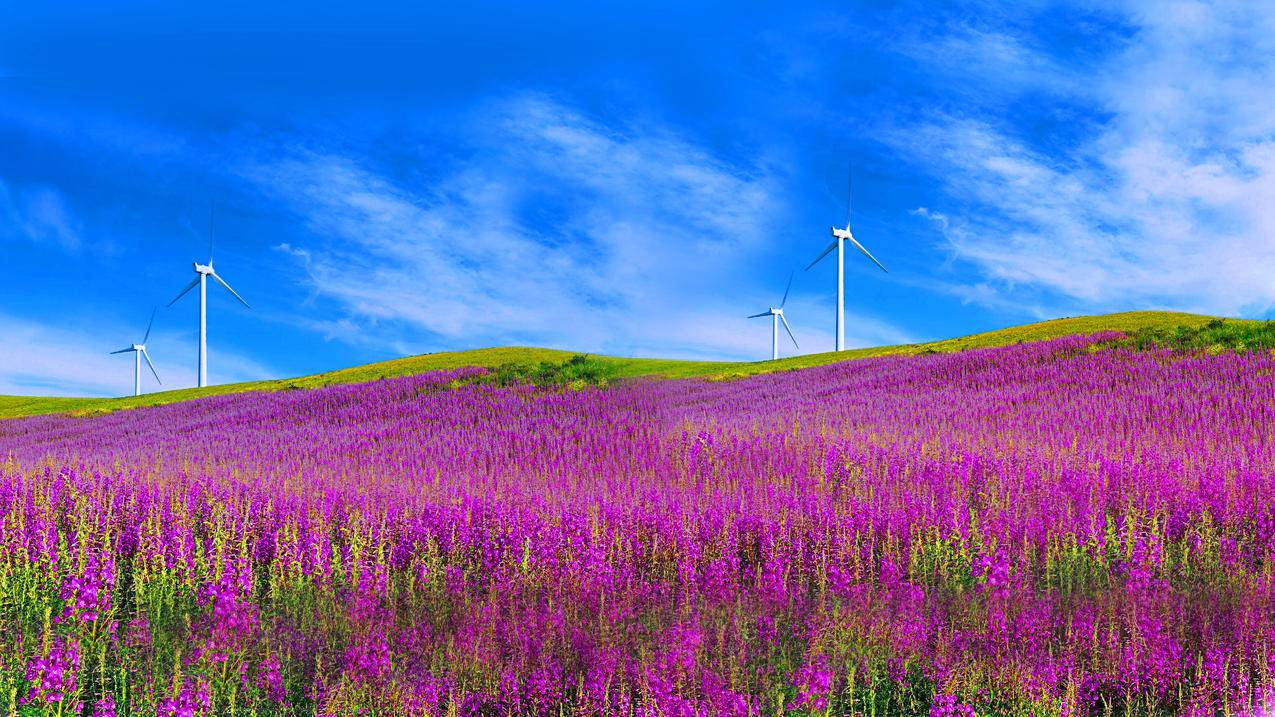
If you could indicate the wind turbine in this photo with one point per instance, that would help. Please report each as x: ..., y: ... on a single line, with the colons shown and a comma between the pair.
x: 203, y: 271
x: 776, y: 315
x: 139, y: 351
x: 839, y: 238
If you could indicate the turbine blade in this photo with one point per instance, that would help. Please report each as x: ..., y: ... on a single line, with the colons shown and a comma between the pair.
x: 789, y: 330
x: 868, y: 254
x: 850, y: 194
x: 212, y: 206
x: 786, y: 288
x: 148, y: 363
x: 193, y: 283
x: 831, y: 246
x: 232, y: 291
x: 149, y: 325
x: 764, y: 313
x: 130, y: 348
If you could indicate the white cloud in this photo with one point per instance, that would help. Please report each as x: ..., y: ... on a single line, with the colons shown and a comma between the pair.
x: 1169, y: 202
x: 38, y: 214
x: 560, y: 231
x: 1007, y: 61
x: 38, y: 359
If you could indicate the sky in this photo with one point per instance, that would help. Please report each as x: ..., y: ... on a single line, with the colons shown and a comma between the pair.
x: 401, y: 178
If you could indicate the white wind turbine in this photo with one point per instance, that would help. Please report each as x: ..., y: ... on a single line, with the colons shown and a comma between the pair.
x: 204, y: 271
x: 839, y: 237
x: 776, y: 315
x: 139, y: 352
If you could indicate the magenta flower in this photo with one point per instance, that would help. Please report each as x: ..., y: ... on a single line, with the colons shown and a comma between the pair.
x: 52, y: 678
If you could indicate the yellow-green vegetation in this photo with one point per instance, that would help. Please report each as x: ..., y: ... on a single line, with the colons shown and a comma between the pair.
x: 1127, y: 322
x: 1146, y: 322
x: 1214, y: 336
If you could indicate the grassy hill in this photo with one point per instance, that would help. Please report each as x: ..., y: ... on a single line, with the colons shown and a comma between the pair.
x: 619, y: 367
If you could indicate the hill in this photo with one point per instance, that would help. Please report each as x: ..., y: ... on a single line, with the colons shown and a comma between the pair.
x: 621, y: 367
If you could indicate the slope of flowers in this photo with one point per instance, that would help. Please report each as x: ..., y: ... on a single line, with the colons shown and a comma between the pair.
x: 1047, y: 529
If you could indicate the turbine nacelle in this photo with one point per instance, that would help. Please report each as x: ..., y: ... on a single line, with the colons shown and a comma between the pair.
x: 207, y: 270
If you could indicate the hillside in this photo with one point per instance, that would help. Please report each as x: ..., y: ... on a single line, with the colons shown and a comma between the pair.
x: 414, y: 546
x: 620, y: 367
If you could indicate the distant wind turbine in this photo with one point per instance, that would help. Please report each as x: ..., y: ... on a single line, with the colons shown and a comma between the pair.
x: 139, y: 352
x: 204, y: 271
x: 839, y: 237
x: 776, y: 315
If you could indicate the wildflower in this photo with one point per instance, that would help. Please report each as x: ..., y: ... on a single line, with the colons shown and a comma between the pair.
x: 52, y: 677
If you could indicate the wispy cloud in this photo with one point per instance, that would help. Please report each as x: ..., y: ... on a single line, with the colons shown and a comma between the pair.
x: 1169, y: 201
x: 556, y: 230
x: 38, y: 214
x: 41, y: 359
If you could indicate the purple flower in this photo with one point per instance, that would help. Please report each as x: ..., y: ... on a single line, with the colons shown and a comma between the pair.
x: 53, y: 676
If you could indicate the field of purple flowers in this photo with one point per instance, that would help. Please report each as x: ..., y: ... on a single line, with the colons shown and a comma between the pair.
x: 1058, y: 528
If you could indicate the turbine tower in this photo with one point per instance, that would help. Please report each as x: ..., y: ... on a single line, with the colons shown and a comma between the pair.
x: 139, y: 352
x: 203, y: 271
x: 776, y: 315
x: 839, y: 238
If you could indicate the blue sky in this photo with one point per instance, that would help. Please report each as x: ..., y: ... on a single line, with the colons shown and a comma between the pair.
x: 394, y: 178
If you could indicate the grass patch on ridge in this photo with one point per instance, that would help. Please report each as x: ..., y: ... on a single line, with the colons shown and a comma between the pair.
x: 529, y: 361
x: 1214, y: 336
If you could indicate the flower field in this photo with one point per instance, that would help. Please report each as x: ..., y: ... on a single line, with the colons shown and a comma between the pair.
x: 1054, y: 528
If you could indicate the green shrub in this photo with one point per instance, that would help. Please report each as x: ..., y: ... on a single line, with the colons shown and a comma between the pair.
x: 576, y: 372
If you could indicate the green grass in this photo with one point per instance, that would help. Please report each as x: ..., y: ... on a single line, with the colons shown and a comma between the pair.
x: 1149, y: 323
x: 1128, y: 322
x: 1216, y: 335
